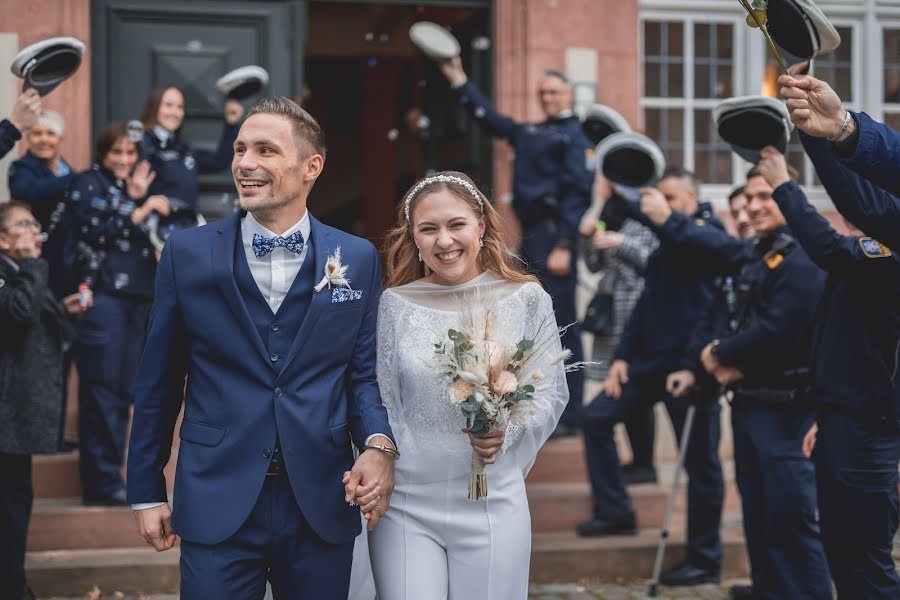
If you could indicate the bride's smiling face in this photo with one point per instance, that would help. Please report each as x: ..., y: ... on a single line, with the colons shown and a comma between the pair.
x: 447, y: 230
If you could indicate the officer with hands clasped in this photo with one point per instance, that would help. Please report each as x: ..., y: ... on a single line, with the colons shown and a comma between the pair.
x: 855, y: 357
x: 552, y: 178
x: 111, y: 207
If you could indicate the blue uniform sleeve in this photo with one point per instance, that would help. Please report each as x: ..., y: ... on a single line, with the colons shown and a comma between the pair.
x: 704, y: 332
x: 9, y: 135
x: 100, y: 224
x: 41, y: 193
x: 877, y: 153
x: 483, y: 110
x: 867, y: 206
x: 840, y: 254
x: 213, y: 162
x: 575, y: 194
x: 791, y: 292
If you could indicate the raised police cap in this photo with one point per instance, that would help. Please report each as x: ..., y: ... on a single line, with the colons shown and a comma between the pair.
x: 599, y: 122
x: 630, y: 160
x: 801, y: 28
x: 750, y: 123
x: 46, y: 64
x: 435, y: 41
x: 243, y: 82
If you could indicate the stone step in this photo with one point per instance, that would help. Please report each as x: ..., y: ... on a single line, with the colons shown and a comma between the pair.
x: 56, y: 475
x: 65, y: 524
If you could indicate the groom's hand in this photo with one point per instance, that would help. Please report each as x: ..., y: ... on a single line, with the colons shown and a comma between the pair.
x: 371, y: 482
x: 155, y: 525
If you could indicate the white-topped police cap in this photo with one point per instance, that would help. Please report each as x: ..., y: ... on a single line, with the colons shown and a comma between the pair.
x: 801, y: 28
x: 750, y: 123
x: 630, y: 160
x: 243, y: 82
x: 435, y: 41
x: 599, y: 122
x: 46, y: 64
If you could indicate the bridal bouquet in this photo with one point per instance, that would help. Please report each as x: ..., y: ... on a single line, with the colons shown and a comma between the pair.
x: 494, y: 378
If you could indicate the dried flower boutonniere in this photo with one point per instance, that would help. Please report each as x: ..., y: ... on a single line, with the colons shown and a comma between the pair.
x: 335, y: 272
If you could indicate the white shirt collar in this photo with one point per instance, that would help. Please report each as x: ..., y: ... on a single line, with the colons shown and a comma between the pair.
x: 250, y: 226
x: 162, y: 133
x: 563, y: 114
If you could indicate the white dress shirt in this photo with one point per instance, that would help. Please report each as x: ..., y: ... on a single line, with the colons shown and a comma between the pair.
x: 274, y: 275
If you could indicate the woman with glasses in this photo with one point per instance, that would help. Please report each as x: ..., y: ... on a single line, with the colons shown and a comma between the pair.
x: 117, y: 261
x: 36, y: 329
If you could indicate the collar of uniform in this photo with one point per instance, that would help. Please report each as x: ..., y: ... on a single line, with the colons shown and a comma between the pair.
x: 250, y: 226
x: 9, y: 261
x: 563, y: 114
x: 162, y: 134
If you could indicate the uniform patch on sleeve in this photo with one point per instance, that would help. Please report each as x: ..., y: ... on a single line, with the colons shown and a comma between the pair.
x: 700, y: 222
x: 590, y: 160
x: 773, y: 259
x: 873, y: 248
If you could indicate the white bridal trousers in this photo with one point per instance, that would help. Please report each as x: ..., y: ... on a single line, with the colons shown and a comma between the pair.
x: 434, y: 544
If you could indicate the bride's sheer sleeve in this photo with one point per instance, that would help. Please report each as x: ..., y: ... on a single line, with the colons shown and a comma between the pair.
x: 528, y: 431
x: 388, y: 312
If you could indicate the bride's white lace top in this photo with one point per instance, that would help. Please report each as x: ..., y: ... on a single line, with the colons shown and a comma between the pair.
x: 428, y: 427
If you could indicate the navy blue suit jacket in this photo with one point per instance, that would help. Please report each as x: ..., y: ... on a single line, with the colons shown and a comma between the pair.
x: 234, y: 399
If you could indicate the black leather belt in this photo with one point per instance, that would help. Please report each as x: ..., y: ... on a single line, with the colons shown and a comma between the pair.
x: 276, y: 469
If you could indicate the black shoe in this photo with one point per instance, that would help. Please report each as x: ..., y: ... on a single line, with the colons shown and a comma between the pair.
x: 687, y: 574
x: 634, y: 475
x: 741, y: 592
x: 599, y: 527
x: 117, y: 499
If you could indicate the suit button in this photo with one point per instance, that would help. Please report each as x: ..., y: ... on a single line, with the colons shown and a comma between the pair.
x: 274, y: 326
x: 278, y: 392
x: 267, y: 453
x: 274, y: 358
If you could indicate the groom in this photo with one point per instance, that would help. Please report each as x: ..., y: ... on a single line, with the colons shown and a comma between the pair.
x: 280, y: 367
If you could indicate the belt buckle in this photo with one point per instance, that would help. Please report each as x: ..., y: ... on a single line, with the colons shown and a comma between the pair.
x: 276, y: 468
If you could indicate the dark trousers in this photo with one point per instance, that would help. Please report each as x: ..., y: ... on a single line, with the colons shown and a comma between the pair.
x: 110, y: 340
x: 276, y: 544
x: 778, y: 500
x: 705, y: 484
x: 856, y: 472
x: 16, y: 497
x: 641, y: 428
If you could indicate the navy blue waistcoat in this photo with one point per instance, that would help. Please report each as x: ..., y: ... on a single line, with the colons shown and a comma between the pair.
x: 277, y: 330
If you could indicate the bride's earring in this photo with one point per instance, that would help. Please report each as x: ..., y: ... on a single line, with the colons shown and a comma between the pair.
x: 481, y: 242
x: 420, y: 256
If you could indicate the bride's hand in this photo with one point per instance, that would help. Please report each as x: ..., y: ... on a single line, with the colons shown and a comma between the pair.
x: 487, y: 446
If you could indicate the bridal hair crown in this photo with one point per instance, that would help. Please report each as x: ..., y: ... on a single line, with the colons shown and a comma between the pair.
x: 441, y: 179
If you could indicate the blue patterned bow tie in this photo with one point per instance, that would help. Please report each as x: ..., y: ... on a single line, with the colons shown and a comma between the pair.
x: 263, y: 245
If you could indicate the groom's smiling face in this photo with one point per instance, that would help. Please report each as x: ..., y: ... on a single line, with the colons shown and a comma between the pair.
x: 268, y: 164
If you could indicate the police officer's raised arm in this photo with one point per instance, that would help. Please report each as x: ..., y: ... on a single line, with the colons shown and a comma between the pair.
x: 220, y: 159
x: 477, y: 104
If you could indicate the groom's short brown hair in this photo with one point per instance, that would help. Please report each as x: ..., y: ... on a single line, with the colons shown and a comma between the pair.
x: 306, y: 128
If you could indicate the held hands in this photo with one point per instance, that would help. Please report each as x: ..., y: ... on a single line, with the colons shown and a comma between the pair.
x: 454, y: 72
x: 773, y: 167
x: 615, y: 379
x: 138, y: 183
x: 487, y: 446
x: 722, y: 374
x: 604, y: 240
x: 815, y: 108
x: 559, y: 262
x: 371, y: 482
x: 655, y: 206
x: 26, y: 110
x: 155, y: 525
x: 233, y: 111
x: 680, y: 383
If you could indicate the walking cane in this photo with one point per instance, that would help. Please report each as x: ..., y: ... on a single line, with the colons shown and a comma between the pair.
x: 670, y: 502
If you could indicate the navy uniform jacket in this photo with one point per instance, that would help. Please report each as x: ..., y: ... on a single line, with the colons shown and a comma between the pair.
x: 552, y: 177
x: 33, y: 182
x: 856, y: 347
x: 177, y: 164
x: 677, y: 289
x: 123, y: 259
x: 9, y: 135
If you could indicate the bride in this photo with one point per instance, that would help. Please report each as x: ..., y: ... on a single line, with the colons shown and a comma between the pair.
x: 434, y: 543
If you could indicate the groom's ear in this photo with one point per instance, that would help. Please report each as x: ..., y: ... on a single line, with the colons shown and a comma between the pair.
x: 312, y: 167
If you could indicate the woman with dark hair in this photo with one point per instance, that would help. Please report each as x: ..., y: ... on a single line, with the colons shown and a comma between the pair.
x: 433, y: 541
x: 36, y: 329
x: 176, y: 162
x: 111, y: 207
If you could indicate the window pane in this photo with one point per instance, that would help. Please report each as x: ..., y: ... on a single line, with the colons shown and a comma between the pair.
x: 796, y: 156
x: 663, y: 59
x: 665, y: 126
x: 713, y: 60
x: 836, y: 67
x: 712, y: 156
x: 892, y: 120
x: 892, y: 65
x: 652, y: 37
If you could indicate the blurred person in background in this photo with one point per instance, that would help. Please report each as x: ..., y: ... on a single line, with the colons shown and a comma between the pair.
x: 24, y: 114
x: 36, y: 330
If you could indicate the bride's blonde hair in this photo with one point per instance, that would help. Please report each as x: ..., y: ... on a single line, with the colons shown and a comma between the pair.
x: 402, y: 264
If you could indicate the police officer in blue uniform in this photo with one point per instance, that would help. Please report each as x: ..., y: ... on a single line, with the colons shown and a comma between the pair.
x: 762, y: 357
x: 24, y: 114
x: 176, y: 162
x: 110, y: 205
x: 854, y: 379
x: 552, y: 180
x: 869, y: 148
x: 677, y: 289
